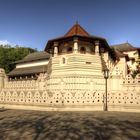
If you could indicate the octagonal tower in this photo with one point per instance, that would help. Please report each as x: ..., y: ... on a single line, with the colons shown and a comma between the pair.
x: 76, y: 67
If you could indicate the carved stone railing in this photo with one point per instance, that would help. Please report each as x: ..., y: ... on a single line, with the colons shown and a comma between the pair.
x: 29, y: 84
x: 132, y: 84
x: 116, y: 100
x: 130, y: 80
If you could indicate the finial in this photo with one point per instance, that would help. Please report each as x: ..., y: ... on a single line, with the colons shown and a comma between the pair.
x: 76, y: 21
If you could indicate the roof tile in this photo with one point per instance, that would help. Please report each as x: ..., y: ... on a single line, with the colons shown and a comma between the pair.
x: 77, y: 30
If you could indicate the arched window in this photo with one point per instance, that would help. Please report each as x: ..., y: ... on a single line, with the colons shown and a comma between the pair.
x: 82, y: 50
x: 69, y: 50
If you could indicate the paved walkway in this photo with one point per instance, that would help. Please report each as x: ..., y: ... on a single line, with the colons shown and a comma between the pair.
x: 37, y: 125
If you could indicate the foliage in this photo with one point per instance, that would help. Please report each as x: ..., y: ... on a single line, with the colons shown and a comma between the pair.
x: 135, y: 73
x: 8, y: 55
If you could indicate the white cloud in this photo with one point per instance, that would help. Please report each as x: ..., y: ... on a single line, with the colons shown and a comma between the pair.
x: 4, y: 42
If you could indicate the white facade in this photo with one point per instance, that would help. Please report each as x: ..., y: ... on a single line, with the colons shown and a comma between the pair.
x: 74, y: 81
x: 72, y: 84
x: 134, y: 56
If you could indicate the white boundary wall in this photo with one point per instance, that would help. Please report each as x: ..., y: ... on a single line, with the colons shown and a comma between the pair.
x: 74, y: 86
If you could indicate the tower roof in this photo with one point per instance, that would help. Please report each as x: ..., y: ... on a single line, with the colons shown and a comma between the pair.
x: 77, y: 30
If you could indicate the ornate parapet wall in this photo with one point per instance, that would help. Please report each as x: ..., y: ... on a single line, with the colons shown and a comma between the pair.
x: 93, y: 100
x: 22, y: 85
x: 69, y: 90
x: 125, y: 93
x: 26, y: 84
x: 74, y: 83
x: 131, y: 84
x: 124, y: 101
x: 53, y: 99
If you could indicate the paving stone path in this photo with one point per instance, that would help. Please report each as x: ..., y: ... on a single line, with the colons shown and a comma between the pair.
x: 38, y: 125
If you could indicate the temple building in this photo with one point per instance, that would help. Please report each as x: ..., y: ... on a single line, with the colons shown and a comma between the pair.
x: 30, y: 67
x: 69, y: 75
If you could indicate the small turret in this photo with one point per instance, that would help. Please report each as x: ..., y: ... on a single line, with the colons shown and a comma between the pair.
x: 2, y: 77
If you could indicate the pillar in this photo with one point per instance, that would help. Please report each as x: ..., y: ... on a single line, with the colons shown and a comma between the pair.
x: 55, y: 48
x: 2, y: 77
x: 76, y: 45
x: 97, y: 47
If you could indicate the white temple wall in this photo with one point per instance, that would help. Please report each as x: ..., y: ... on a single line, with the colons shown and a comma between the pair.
x: 106, y: 57
x: 130, y: 84
x: 73, y: 88
x: 131, y: 53
x: 32, y: 64
x: 117, y: 100
x: 2, y: 77
x: 108, y: 60
x: 132, y: 63
x: 76, y: 63
x: 122, y: 66
x: 114, y: 84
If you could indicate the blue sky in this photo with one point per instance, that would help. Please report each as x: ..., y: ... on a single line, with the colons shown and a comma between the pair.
x: 32, y: 23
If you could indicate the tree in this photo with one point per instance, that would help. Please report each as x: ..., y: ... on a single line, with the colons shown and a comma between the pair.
x: 8, y: 55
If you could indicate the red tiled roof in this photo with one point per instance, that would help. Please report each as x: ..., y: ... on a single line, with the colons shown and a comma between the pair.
x: 77, y: 30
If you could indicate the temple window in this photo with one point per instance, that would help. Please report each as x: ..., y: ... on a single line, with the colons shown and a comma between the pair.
x: 82, y: 50
x: 69, y: 50
x: 63, y: 60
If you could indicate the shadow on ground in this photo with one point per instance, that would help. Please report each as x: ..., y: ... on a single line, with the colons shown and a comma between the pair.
x: 35, y: 125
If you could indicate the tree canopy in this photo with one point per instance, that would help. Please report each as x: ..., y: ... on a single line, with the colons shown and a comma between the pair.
x: 9, y: 54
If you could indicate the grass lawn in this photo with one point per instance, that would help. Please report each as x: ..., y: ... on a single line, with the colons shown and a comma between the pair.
x: 39, y: 125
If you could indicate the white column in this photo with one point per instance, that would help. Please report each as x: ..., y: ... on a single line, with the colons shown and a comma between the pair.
x: 55, y: 48
x: 55, y: 51
x: 97, y: 47
x: 75, y: 45
x: 2, y: 76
